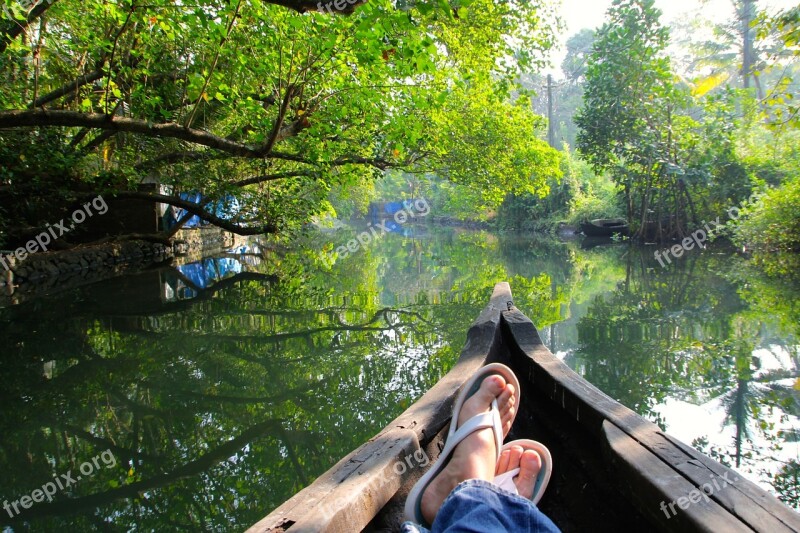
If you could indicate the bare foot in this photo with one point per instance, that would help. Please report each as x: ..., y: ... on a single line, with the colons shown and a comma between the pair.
x: 529, y: 463
x: 474, y: 457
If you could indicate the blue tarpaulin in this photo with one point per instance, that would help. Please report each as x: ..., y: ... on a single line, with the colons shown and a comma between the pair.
x: 393, y: 207
x: 206, y: 273
x: 223, y: 208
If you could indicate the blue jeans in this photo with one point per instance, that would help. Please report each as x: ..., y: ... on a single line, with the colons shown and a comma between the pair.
x: 481, y: 507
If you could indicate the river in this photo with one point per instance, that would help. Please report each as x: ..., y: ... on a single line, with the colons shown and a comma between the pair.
x: 204, y: 396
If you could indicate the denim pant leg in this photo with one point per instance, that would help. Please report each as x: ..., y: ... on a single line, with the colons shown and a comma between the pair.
x: 481, y: 507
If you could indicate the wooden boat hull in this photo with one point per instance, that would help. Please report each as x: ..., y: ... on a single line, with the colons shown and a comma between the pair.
x: 604, y: 227
x: 613, y: 469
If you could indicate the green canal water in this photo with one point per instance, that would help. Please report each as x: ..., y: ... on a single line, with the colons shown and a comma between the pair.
x: 202, y: 397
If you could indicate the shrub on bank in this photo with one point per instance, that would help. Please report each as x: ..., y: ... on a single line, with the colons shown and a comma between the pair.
x: 771, y: 229
x: 772, y: 223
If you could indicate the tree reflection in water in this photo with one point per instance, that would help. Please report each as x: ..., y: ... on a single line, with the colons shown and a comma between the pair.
x: 224, y: 388
x: 699, y: 334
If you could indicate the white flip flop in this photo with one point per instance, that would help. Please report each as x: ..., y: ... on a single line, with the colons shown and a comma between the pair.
x: 474, y: 383
x: 456, y: 434
x: 506, y: 480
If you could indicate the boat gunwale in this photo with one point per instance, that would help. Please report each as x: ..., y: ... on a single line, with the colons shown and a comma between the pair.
x: 637, y: 448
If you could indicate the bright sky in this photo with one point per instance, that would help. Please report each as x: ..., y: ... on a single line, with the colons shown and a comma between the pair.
x: 579, y: 14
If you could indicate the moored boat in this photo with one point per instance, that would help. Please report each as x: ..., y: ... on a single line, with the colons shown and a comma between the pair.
x: 613, y: 470
x: 604, y: 227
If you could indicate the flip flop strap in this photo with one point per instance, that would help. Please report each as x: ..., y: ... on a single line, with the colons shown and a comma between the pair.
x: 489, y: 419
x: 506, y: 481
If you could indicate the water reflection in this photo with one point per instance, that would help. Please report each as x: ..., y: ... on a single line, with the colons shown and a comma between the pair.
x: 691, y: 348
x: 225, y: 386
x: 188, y: 281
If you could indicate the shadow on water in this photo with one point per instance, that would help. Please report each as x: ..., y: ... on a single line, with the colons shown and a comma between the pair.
x: 224, y: 386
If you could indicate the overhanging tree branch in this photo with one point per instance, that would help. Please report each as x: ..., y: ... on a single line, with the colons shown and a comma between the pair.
x: 197, y: 210
x: 19, y: 118
x: 276, y: 128
x: 272, y: 177
x: 38, y: 117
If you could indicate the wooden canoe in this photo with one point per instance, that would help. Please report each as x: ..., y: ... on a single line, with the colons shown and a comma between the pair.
x: 612, y: 468
x: 604, y: 227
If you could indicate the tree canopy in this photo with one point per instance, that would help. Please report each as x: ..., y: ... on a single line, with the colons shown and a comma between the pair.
x: 274, y: 105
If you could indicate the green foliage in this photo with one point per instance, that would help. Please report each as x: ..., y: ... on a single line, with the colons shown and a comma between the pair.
x: 330, y: 100
x: 536, y: 213
x: 529, y: 213
x: 594, y: 195
x: 487, y: 150
x: 354, y: 200
x: 772, y: 228
x: 580, y: 195
x: 484, y: 149
x: 787, y: 483
x: 679, y: 160
x: 629, y: 123
x: 786, y: 26
x: 769, y: 157
x: 629, y: 86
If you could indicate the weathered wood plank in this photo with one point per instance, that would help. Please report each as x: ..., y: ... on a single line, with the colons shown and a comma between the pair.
x: 349, y: 495
x: 651, y: 483
x: 763, y: 511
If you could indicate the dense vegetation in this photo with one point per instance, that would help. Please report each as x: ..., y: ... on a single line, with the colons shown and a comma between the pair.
x: 301, y: 112
x: 672, y: 129
x: 278, y: 107
x: 677, y: 149
x: 221, y: 407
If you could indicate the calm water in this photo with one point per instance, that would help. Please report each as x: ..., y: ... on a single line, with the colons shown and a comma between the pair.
x: 203, y: 396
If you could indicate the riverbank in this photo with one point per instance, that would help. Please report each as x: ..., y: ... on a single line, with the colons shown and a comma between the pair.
x: 53, y: 271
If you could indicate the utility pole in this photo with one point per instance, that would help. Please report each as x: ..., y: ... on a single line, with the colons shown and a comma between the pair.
x: 551, y: 130
x: 748, y: 14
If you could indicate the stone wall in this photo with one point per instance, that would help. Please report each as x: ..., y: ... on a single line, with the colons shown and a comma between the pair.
x: 198, y: 243
x: 45, y: 272
x: 59, y: 270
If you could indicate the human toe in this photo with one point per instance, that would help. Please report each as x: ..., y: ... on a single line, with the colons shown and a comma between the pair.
x: 530, y: 464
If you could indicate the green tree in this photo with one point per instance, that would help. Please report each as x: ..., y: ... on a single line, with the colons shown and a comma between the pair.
x: 629, y: 123
x: 276, y: 106
x: 771, y: 228
x: 781, y: 100
x: 576, y: 61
